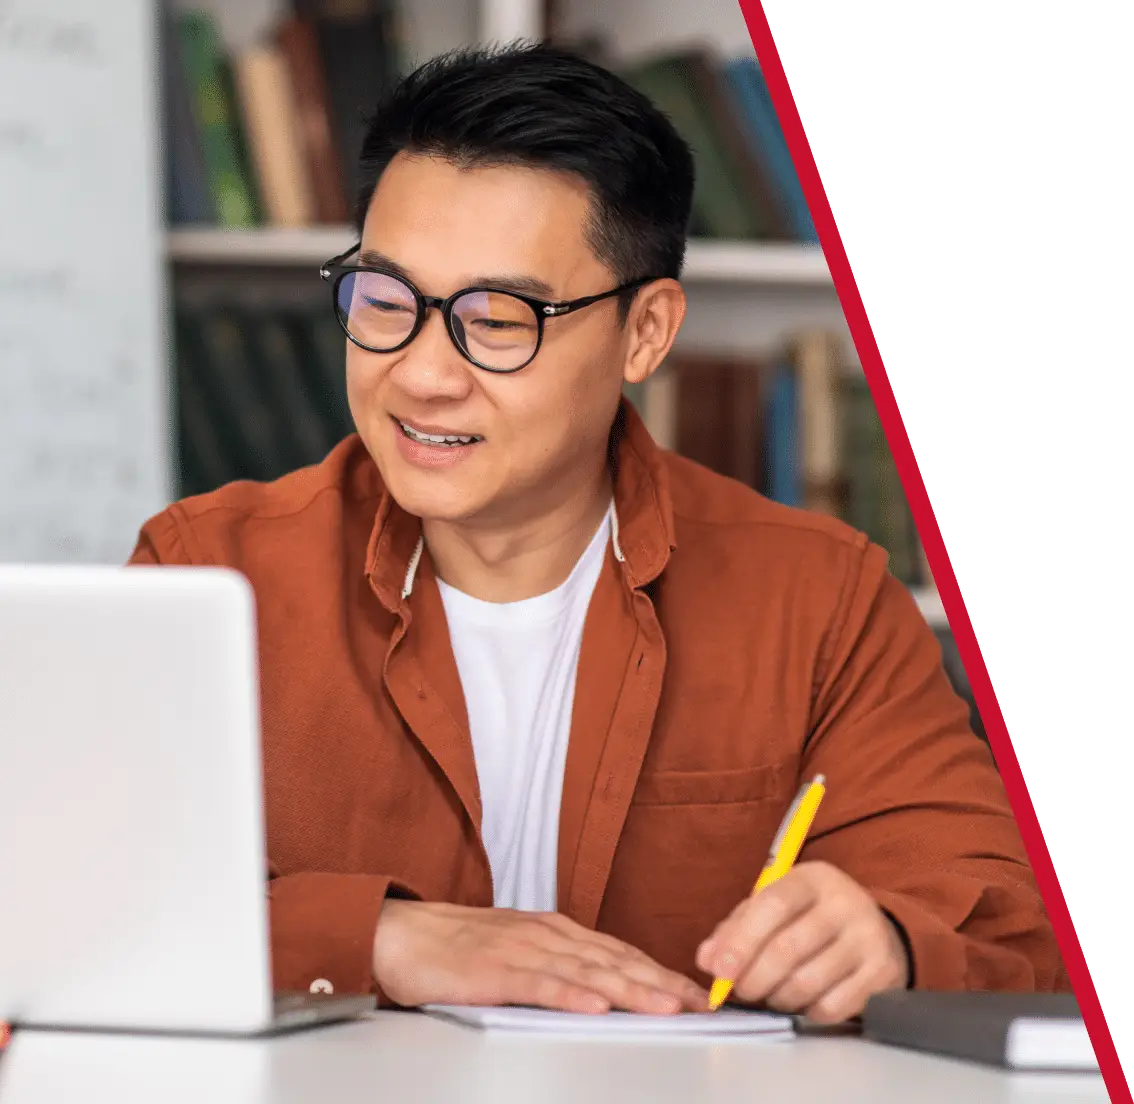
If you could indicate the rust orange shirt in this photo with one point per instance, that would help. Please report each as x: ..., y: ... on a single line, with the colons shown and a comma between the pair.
x: 733, y: 647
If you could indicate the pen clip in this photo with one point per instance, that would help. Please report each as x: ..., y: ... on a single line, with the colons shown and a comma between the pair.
x: 785, y: 824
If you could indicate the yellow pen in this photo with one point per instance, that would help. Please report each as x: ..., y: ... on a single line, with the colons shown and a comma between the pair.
x: 784, y: 851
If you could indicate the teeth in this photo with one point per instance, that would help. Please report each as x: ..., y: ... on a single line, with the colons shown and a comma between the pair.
x: 435, y: 438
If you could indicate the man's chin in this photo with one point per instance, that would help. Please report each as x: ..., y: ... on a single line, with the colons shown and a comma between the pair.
x: 431, y: 497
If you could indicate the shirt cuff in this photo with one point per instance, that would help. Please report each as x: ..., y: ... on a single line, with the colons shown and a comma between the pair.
x: 323, y: 928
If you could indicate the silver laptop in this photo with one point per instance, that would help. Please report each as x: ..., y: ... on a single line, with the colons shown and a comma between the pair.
x: 132, y: 853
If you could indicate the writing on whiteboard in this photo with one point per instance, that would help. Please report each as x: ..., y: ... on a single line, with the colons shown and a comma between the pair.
x: 83, y: 383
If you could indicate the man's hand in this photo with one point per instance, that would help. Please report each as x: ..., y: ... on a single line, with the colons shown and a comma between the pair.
x: 449, y: 954
x: 813, y: 943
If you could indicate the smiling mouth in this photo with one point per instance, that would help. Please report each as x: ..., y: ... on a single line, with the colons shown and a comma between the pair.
x: 438, y: 440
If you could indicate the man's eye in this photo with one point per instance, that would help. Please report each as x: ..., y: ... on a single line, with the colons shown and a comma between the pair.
x: 386, y: 305
x: 499, y: 324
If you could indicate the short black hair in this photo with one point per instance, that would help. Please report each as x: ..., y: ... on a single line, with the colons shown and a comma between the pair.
x: 547, y: 107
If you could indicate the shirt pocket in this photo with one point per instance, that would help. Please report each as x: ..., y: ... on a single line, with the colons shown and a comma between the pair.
x: 738, y: 786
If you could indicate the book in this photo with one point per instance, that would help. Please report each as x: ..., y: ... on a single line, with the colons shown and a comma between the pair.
x: 718, y: 422
x: 360, y: 59
x: 203, y: 461
x: 299, y: 42
x: 306, y: 436
x: 1017, y: 1031
x: 710, y: 85
x: 721, y: 203
x: 875, y: 502
x: 817, y: 359
x: 747, y: 85
x: 187, y: 195
x: 323, y: 357
x: 231, y: 392
x: 265, y: 91
x: 781, y: 437
x: 216, y: 121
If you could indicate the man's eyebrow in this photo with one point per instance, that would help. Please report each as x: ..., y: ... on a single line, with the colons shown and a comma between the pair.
x: 521, y: 285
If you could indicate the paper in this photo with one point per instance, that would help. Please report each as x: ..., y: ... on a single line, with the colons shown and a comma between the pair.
x: 725, y: 1023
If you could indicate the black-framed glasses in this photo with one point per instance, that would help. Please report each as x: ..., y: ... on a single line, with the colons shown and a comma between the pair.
x: 499, y: 331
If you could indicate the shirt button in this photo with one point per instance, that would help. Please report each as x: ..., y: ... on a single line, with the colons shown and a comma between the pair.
x: 321, y: 985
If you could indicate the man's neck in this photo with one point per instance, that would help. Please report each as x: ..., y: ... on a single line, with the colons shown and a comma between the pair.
x: 509, y: 563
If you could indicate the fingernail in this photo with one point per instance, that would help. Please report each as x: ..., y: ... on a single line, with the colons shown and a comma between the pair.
x: 597, y: 1005
x: 666, y: 1002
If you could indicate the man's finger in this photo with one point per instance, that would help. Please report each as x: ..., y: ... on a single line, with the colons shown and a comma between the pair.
x: 844, y: 1000
x: 817, y: 976
x: 615, y: 986
x: 568, y: 938
x: 522, y: 985
x: 741, y: 936
x: 645, y: 971
x: 795, y: 945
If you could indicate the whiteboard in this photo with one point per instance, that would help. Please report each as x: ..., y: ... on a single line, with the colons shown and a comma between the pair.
x: 85, y: 454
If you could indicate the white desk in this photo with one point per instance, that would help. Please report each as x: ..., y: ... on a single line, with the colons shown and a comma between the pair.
x: 406, y: 1057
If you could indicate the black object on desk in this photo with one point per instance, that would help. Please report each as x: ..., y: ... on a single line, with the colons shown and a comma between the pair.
x: 1020, y: 1031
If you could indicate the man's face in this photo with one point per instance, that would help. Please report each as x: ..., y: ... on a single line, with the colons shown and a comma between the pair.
x: 542, y: 430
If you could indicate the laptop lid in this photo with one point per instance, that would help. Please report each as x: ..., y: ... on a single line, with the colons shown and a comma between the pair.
x: 132, y: 868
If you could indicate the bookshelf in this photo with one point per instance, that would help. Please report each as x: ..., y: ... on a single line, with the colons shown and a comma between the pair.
x: 707, y: 262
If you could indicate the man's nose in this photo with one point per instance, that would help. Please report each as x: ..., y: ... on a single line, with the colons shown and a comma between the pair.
x: 431, y: 366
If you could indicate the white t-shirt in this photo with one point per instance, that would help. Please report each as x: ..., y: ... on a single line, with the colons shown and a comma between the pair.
x: 517, y: 662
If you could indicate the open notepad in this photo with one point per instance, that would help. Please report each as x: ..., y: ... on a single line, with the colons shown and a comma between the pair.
x: 709, y: 1025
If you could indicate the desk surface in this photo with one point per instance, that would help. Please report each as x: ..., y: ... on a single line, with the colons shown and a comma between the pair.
x: 407, y: 1056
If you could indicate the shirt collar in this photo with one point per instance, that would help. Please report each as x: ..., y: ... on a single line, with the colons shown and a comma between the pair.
x: 642, y: 525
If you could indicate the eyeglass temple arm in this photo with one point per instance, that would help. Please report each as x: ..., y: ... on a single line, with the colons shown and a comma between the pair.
x: 554, y: 310
x: 325, y: 268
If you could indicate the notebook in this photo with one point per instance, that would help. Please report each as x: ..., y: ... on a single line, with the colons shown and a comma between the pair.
x: 1020, y: 1031
x: 619, y: 1025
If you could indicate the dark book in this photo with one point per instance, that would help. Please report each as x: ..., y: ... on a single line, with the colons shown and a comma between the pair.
x: 720, y: 203
x: 188, y: 198
x: 305, y: 435
x: 718, y: 415
x: 203, y: 463
x: 359, y: 49
x: 323, y: 357
x: 299, y: 42
x: 711, y: 84
x: 859, y: 454
x: 231, y: 391
x: 875, y: 501
x: 1017, y: 1031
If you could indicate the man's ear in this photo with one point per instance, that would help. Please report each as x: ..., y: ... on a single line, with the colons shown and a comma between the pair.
x: 655, y: 317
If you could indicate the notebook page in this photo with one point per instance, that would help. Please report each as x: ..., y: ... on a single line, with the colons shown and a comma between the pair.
x: 726, y: 1022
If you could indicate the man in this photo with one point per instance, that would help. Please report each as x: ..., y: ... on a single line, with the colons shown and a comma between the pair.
x: 536, y: 694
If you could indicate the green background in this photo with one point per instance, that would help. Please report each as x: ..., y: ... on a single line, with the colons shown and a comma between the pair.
x: 978, y: 159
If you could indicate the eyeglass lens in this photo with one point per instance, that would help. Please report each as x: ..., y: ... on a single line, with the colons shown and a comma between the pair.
x: 494, y: 328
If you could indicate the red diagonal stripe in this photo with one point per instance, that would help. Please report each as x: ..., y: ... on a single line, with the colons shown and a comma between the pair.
x: 904, y: 460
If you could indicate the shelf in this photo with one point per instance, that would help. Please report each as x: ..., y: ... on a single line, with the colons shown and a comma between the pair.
x: 706, y: 261
x: 929, y: 602
x: 270, y: 246
x: 726, y: 262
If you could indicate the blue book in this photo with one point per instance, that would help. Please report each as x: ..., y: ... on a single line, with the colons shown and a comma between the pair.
x: 750, y: 93
x: 781, y: 437
x: 187, y: 196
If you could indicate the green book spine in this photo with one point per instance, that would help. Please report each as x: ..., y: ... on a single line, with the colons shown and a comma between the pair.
x: 860, y: 470
x: 719, y: 200
x: 897, y: 521
x: 217, y: 122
